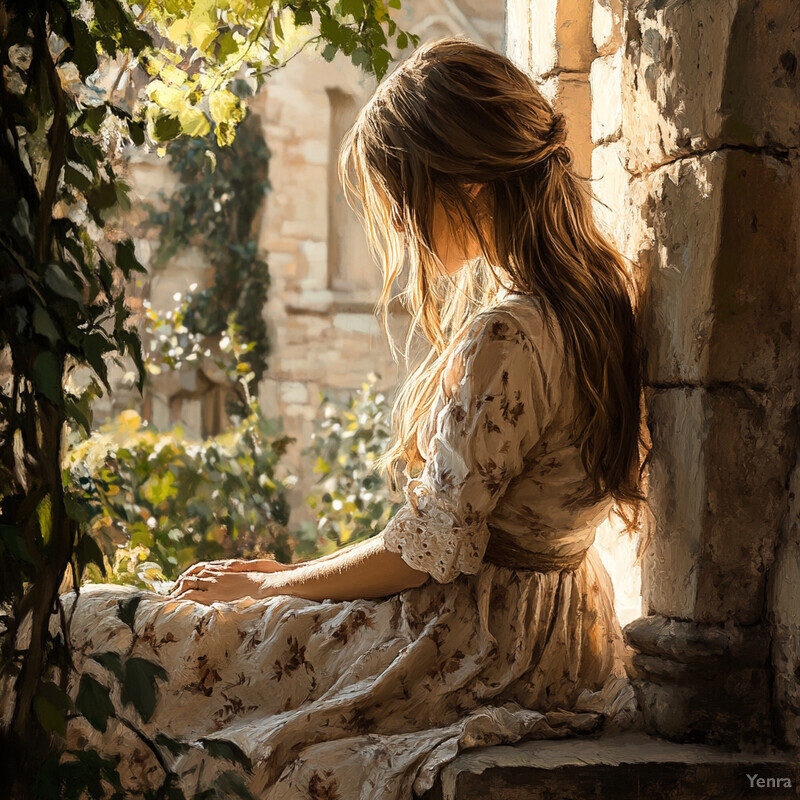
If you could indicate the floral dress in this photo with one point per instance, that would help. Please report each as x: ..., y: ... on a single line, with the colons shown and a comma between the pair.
x: 514, y: 636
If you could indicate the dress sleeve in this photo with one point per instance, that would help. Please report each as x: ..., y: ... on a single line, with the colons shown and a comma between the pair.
x: 493, y: 404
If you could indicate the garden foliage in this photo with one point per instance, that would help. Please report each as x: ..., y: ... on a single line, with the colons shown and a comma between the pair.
x: 354, y: 501
x: 160, y: 503
x: 64, y: 268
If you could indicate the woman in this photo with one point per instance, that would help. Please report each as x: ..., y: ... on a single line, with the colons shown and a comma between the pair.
x: 482, y: 613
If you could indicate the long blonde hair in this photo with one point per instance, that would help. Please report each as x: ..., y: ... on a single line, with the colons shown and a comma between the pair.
x: 452, y: 116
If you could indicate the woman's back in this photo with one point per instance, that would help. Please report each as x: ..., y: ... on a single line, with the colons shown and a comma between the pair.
x: 537, y: 519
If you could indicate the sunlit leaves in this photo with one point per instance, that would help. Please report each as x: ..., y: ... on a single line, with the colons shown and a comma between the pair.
x: 179, y: 501
x: 213, y: 43
x: 353, y: 501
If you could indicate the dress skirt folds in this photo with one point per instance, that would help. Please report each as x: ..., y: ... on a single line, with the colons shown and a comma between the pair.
x: 514, y: 636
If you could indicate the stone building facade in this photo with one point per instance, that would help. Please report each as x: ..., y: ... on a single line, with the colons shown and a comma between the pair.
x: 687, y: 117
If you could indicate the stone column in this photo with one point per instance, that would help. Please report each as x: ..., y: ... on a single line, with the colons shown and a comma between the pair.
x: 710, y: 130
x: 552, y: 41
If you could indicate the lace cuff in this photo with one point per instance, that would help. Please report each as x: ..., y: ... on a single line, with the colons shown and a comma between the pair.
x: 430, y: 536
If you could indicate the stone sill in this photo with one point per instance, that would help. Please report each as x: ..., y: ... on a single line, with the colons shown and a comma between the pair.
x: 631, y: 765
x: 329, y: 302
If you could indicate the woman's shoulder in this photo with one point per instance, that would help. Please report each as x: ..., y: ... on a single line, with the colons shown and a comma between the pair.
x: 523, y: 318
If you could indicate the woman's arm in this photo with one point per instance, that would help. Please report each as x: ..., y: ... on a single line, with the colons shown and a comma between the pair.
x: 205, y: 568
x: 367, y: 570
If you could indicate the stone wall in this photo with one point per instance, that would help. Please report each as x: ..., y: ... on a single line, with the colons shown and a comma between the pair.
x: 695, y: 127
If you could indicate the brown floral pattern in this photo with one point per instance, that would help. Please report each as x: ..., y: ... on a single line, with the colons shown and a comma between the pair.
x: 370, y: 698
x: 494, y: 376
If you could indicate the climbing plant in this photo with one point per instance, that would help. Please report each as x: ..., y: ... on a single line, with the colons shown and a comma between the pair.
x: 65, y: 262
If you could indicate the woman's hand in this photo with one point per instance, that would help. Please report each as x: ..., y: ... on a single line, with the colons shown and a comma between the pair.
x: 221, y: 585
x: 233, y: 565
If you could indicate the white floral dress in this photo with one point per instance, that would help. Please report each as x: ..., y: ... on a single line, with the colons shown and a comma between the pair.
x: 370, y: 698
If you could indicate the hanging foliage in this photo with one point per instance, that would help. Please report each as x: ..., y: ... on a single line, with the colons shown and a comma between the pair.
x: 215, y: 205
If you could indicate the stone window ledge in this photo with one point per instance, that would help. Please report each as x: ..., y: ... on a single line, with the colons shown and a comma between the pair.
x: 628, y: 765
x: 327, y: 302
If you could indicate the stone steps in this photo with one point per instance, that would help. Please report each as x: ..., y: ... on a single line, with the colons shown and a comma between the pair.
x: 631, y: 765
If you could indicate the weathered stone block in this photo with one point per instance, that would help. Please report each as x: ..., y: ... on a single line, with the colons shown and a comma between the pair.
x: 550, y: 36
x: 543, y: 53
x: 720, y: 462
x: 518, y: 32
x: 605, y: 80
x: 677, y: 499
x: 784, y: 618
x: 719, y: 253
x: 574, y: 100
x: 624, y: 766
x: 607, y: 26
x: 705, y: 73
x: 709, y: 682
x: 610, y: 183
x: 574, y: 35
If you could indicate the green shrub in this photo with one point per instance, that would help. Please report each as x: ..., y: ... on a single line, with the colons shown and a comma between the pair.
x: 158, y: 503
x: 353, y: 501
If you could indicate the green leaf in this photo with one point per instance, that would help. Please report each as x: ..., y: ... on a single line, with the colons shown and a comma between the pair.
x: 402, y: 39
x: 47, y: 377
x: 44, y: 514
x: 166, y: 128
x: 84, y: 48
x: 56, y: 279
x: 225, y: 107
x: 94, y: 347
x: 76, y: 178
x: 360, y: 57
x: 139, y: 685
x: 302, y: 16
x: 175, y: 746
x: 126, y: 258
x: 100, y: 196
x: 353, y: 7
x: 93, y: 117
x: 89, y: 552
x: 231, y: 784
x: 194, y: 122
x: 226, y: 46
x: 76, y: 412
x: 136, y: 132
x: 110, y: 661
x: 94, y: 703
x: 126, y: 609
x: 14, y: 541
x: 51, y: 705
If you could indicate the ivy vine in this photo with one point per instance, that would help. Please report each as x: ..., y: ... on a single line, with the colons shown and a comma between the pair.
x: 215, y: 207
